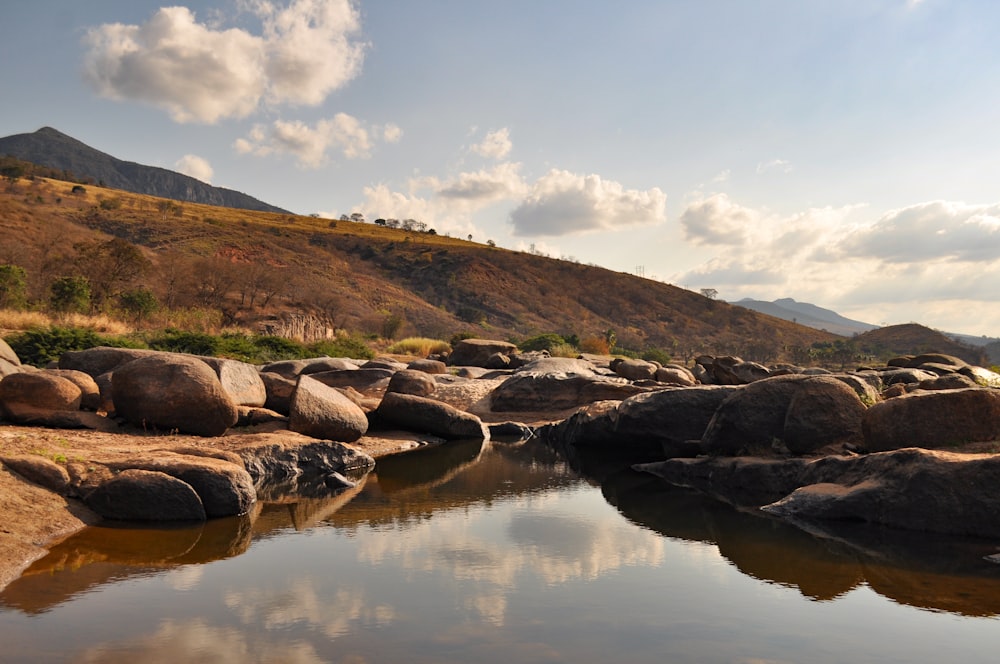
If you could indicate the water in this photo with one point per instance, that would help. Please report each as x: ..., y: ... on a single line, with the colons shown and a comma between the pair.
x: 502, y: 553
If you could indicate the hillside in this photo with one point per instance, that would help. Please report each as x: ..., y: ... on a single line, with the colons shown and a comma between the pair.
x: 51, y: 148
x: 911, y: 338
x: 807, y: 314
x: 273, y: 271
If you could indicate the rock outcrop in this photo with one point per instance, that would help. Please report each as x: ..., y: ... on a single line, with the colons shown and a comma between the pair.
x: 320, y: 411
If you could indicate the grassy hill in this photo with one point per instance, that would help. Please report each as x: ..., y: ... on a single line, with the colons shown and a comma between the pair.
x: 262, y: 270
x: 912, y: 339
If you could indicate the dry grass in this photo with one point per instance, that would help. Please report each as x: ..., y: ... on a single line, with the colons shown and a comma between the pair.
x: 26, y: 320
x: 419, y: 346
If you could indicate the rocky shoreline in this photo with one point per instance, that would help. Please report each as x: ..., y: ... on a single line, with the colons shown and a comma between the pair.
x: 149, y: 436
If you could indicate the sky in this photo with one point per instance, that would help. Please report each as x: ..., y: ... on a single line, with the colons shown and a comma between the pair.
x: 844, y: 153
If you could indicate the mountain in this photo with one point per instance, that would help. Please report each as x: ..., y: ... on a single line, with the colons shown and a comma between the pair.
x: 54, y: 149
x: 807, y: 314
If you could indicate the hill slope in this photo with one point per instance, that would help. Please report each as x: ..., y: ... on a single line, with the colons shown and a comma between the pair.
x: 911, y: 338
x: 49, y: 147
x: 261, y: 268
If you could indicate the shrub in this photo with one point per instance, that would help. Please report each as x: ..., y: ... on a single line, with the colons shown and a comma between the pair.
x: 564, y: 350
x: 656, y: 355
x: 70, y: 294
x: 177, y: 341
x: 595, y: 345
x: 138, y: 303
x: 542, y: 342
x: 39, y: 346
x: 353, y: 347
x: 419, y: 346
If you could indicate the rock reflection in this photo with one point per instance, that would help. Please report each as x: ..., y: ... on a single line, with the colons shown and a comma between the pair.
x: 931, y: 572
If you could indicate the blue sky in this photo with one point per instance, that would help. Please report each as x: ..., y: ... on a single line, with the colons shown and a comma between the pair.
x: 839, y: 152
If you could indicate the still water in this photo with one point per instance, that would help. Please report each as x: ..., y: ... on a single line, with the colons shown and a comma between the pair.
x: 502, y: 553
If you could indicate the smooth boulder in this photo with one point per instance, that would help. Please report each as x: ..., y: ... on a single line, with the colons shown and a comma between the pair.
x: 933, y: 419
x: 25, y: 395
x: 143, y: 495
x: 423, y: 415
x: 320, y: 411
x: 169, y: 391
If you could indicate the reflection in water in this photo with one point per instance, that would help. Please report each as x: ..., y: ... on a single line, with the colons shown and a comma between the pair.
x: 499, y: 553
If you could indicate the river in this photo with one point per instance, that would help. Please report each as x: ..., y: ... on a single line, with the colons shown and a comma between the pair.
x: 503, y: 553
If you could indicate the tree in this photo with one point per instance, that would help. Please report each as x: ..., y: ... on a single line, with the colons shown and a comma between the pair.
x: 13, y: 287
x: 138, y: 303
x: 12, y: 174
x: 110, y: 267
x: 710, y: 293
x: 70, y: 295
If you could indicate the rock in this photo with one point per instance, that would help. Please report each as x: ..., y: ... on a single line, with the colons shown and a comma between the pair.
x: 90, y: 393
x: 67, y: 419
x: 240, y: 380
x: 675, y: 376
x: 8, y: 355
x: 558, y: 365
x: 475, y: 352
x: 410, y: 381
x: 107, y: 393
x: 8, y: 368
x: 983, y: 377
x: 363, y: 380
x: 510, y: 431
x: 635, y: 369
x: 867, y: 387
x: 249, y: 416
x: 423, y: 415
x: 224, y: 488
x: 276, y: 457
x: 932, y: 419
x: 951, y: 381
x: 319, y: 411
x: 292, y: 368
x: 171, y: 391
x: 558, y: 391
x: 387, y: 363
x: 142, y: 495
x: 428, y: 366
x: 894, y: 376
x: 934, y: 358
x: 923, y: 490
x: 721, y: 370
x: 802, y: 412
x: 749, y: 372
x: 471, y: 372
x: 39, y: 470
x: 279, y: 391
x: 101, y: 359
x: 23, y: 395
x: 497, y: 361
x: 654, y: 424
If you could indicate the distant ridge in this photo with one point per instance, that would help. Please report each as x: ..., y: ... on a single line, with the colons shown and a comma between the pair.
x: 807, y: 314
x: 54, y: 149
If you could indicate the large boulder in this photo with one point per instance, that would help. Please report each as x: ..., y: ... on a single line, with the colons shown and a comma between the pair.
x: 320, y: 411
x: 801, y: 412
x: 923, y: 490
x: 362, y: 380
x: 143, y: 495
x: 532, y: 391
x: 428, y: 366
x: 292, y: 368
x: 411, y: 381
x: 279, y: 390
x: 7, y: 353
x: 169, y: 391
x: 241, y: 380
x: 225, y: 488
x: 25, y: 395
x: 90, y: 393
x: 423, y: 415
x: 476, y: 352
x: 675, y: 375
x: 635, y: 369
x: 933, y: 419
x: 101, y: 359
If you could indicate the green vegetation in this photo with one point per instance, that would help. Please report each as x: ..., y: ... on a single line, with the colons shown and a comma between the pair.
x: 40, y: 346
x: 13, y: 287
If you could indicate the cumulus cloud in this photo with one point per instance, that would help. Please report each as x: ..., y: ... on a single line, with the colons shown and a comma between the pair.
x: 500, y: 182
x: 496, y: 144
x: 196, y: 167
x: 716, y: 220
x: 392, y: 133
x: 311, y: 144
x: 931, y: 230
x: 201, y: 73
x: 564, y: 203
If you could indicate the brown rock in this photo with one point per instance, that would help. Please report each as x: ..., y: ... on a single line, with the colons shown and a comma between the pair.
x: 410, y: 381
x: 933, y: 419
x: 143, y: 495
x: 25, y: 394
x: 320, y: 411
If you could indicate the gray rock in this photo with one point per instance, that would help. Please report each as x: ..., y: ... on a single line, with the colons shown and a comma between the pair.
x: 319, y: 411
x: 635, y: 369
x: 558, y: 391
x: 279, y: 391
x: 240, y: 380
x: 363, y: 380
x: 8, y: 355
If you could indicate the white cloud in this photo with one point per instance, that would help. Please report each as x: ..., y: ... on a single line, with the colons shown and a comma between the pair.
x: 392, y: 133
x: 496, y: 144
x: 196, y: 167
x: 780, y: 165
x: 564, y: 203
x: 723, y: 176
x: 201, y: 73
x: 717, y: 221
x: 932, y: 230
x: 311, y: 145
x: 503, y: 181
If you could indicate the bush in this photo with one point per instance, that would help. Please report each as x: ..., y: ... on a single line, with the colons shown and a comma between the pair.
x: 70, y: 294
x: 656, y: 355
x: 542, y: 342
x: 39, y: 346
x: 595, y: 345
x: 177, y: 341
x: 353, y: 347
x: 564, y: 350
x: 419, y: 346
